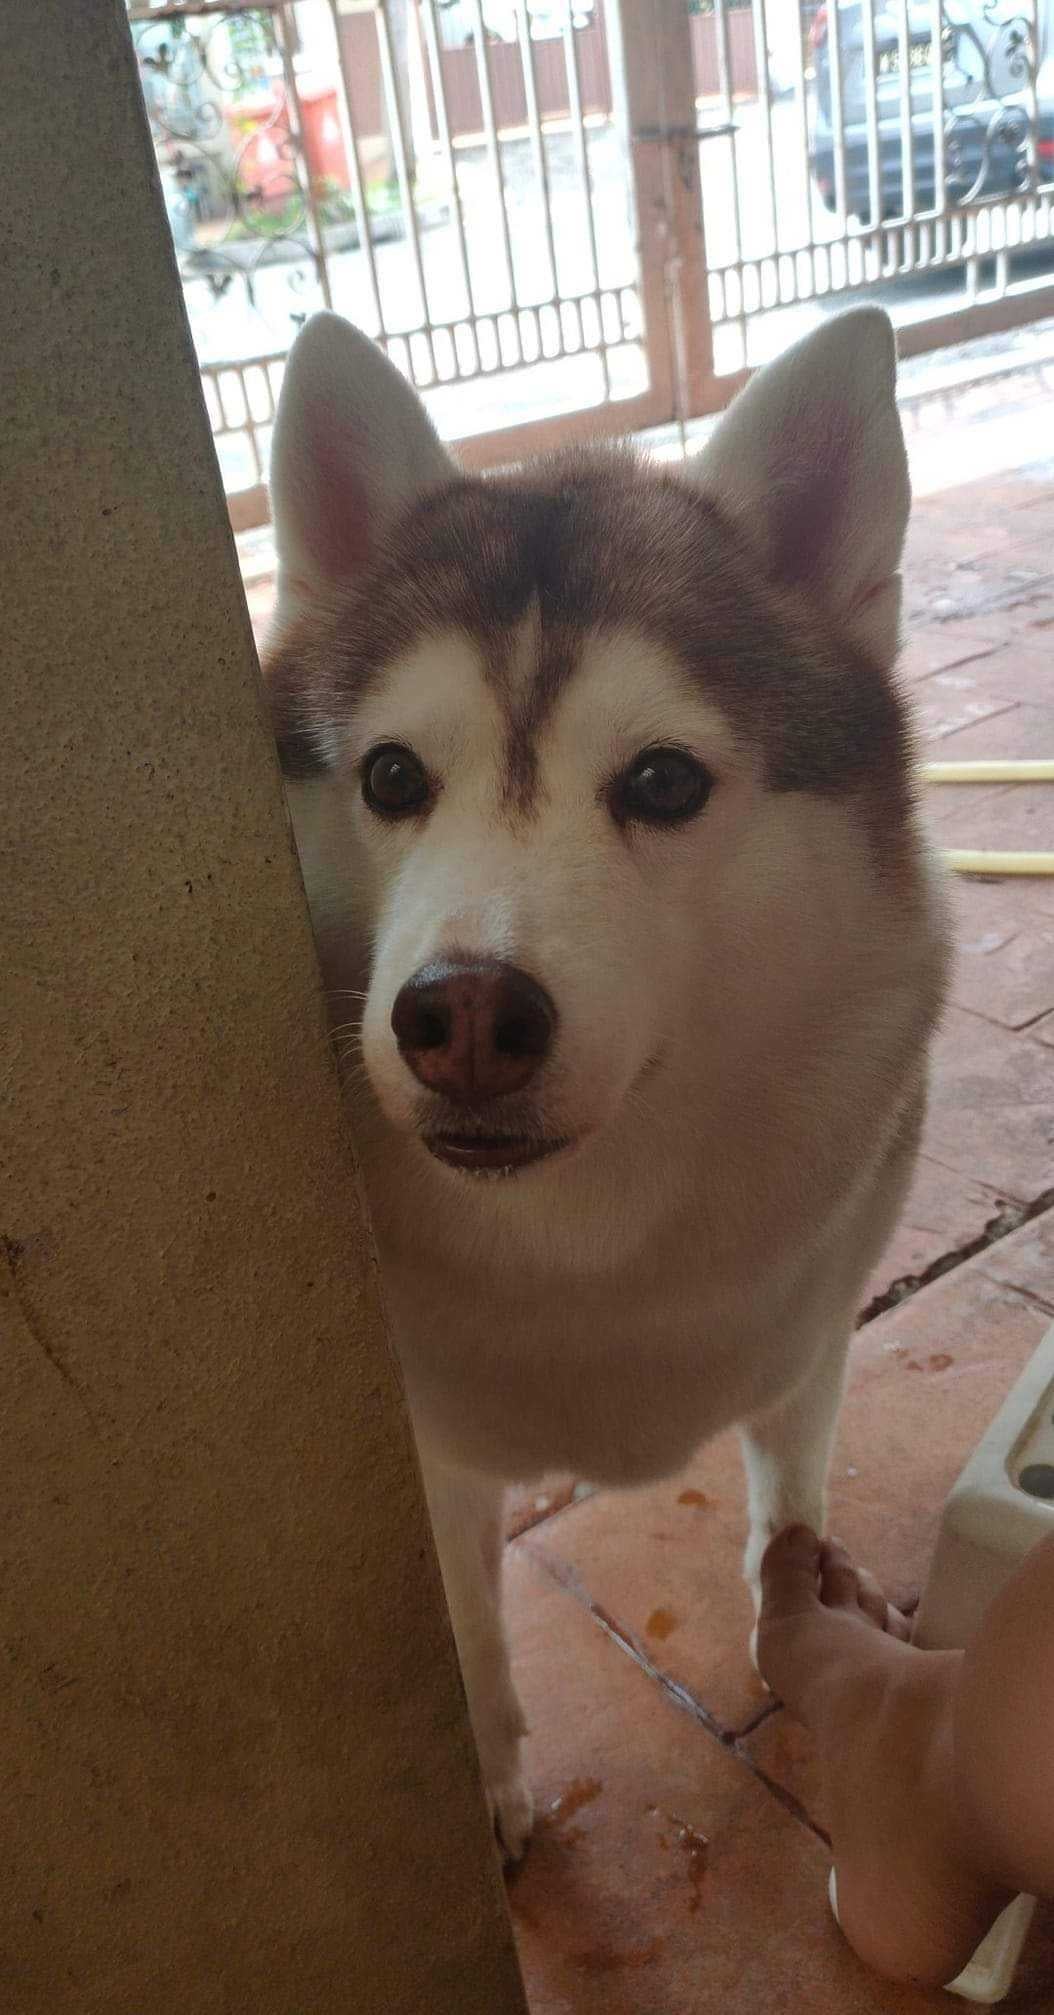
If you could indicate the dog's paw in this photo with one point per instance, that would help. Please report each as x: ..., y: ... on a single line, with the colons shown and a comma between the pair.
x: 761, y: 1535
x: 512, y: 1811
x: 755, y: 1554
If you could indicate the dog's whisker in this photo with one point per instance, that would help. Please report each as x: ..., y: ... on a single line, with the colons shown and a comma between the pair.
x: 351, y: 1064
x: 348, y: 1064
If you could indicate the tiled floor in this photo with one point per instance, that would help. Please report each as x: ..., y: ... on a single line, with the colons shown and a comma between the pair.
x: 679, y: 1866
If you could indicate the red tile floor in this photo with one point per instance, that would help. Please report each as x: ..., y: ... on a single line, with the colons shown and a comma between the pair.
x: 679, y: 1865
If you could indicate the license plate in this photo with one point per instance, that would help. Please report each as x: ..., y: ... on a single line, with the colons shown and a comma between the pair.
x: 920, y: 57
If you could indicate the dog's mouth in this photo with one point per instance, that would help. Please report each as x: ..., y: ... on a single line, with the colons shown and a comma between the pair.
x: 493, y: 1154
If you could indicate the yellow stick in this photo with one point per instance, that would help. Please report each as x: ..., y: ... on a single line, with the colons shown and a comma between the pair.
x: 967, y: 861
x: 987, y: 773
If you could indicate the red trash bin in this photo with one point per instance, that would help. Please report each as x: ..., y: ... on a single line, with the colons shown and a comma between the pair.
x: 323, y: 139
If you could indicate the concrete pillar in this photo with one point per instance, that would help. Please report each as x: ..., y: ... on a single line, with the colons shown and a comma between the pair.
x: 235, y: 1764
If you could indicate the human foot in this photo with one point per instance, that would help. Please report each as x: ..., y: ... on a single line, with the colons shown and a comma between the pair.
x: 914, y: 1900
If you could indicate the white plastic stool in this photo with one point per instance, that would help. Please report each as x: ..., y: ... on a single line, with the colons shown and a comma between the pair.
x: 1001, y: 1506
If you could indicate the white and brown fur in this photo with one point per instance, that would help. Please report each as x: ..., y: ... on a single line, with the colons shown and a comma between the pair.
x: 744, y: 1002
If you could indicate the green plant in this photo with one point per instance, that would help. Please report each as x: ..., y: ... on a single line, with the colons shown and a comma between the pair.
x: 251, y: 40
x: 286, y: 220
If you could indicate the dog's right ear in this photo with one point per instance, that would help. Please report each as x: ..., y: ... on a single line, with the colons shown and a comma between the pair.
x: 352, y: 443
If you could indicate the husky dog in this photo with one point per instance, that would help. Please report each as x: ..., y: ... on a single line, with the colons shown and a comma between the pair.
x: 603, y: 794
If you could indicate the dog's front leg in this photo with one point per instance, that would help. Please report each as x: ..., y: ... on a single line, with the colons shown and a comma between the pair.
x: 787, y: 1451
x: 466, y: 1511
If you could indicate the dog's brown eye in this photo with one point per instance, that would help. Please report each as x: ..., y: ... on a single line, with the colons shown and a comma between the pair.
x: 394, y: 782
x: 662, y: 787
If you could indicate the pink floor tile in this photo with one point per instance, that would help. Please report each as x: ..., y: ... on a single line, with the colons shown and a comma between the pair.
x: 983, y: 907
x: 943, y: 1214
x: 926, y: 1382
x: 664, y: 1879
x: 934, y: 648
x: 673, y: 1870
x: 1043, y: 1031
x: 1030, y: 670
x: 955, y: 815
x: 991, y: 1111
x: 662, y: 1564
x: 1022, y: 730
x: 1028, y: 615
x: 1025, y: 1262
x: 948, y: 701
x: 1008, y: 979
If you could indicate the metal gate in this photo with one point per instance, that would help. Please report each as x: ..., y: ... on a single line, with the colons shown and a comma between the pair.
x: 569, y: 217
x: 902, y: 150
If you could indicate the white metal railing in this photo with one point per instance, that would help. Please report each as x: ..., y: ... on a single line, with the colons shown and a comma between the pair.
x: 486, y: 259
x: 566, y: 217
x: 898, y: 141
x: 241, y: 399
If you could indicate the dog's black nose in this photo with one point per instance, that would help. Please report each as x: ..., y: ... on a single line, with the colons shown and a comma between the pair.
x: 473, y: 1029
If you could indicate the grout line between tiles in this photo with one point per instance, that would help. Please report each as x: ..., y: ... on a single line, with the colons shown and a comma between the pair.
x: 1002, y: 1196
x: 1006, y: 1221
x: 974, y: 655
x: 783, y: 1797
x: 758, y: 1720
x: 976, y: 1014
x: 1025, y: 1294
x: 678, y: 1695
x: 1023, y: 1028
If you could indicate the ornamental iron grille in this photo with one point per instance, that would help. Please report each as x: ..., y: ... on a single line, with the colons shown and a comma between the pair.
x: 569, y: 217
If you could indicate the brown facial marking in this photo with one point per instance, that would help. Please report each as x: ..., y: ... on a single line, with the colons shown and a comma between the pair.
x: 533, y: 678
x: 602, y: 543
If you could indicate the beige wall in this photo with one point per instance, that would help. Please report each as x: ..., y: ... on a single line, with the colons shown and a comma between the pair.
x: 235, y: 1762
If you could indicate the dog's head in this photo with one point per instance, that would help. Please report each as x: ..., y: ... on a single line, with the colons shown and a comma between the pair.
x: 601, y: 766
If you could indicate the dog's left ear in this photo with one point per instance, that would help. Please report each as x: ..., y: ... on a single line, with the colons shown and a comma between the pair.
x: 810, y: 460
